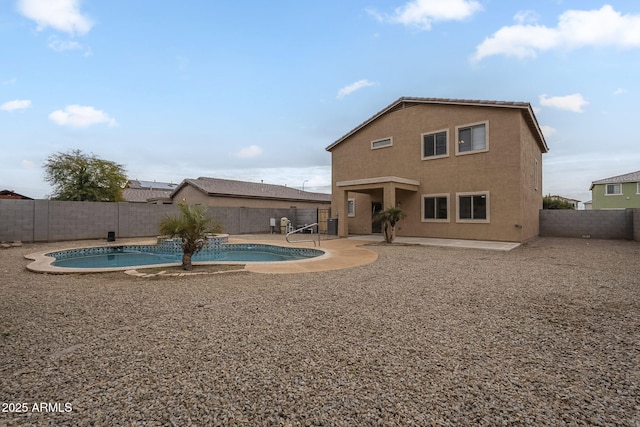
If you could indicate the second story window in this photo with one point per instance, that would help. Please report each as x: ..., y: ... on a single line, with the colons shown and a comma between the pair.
x: 434, y: 145
x: 613, y: 189
x: 472, y: 138
x: 381, y: 143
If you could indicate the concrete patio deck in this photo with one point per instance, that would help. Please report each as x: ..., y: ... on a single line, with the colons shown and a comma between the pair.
x: 339, y: 253
x: 451, y: 243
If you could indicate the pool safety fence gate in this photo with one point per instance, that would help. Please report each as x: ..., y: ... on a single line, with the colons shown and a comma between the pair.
x: 51, y: 220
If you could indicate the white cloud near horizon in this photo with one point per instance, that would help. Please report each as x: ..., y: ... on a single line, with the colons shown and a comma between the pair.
x: 80, y: 116
x: 61, y: 15
x: 575, y: 29
x: 574, y: 102
x: 249, y: 152
x: 16, y: 104
x: 349, y: 89
x: 422, y: 13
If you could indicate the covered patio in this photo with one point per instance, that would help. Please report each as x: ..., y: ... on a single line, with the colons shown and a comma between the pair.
x: 386, y: 186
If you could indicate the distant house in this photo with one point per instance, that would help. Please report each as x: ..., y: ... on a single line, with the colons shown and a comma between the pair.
x: 462, y: 169
x: 616, y: 192
x: 231, y: 193
x: 10, y: 194
x: 137, y: 191
x: 572, y: 202
x: 588, y: 205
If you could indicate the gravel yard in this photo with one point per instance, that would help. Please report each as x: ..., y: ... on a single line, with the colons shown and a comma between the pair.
x: 546, y: 334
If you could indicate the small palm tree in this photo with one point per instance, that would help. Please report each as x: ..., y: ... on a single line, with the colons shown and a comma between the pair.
x: 389, y: 219
x: 192, y: 227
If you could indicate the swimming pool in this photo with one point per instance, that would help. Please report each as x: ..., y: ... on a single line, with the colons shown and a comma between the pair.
x: 113, y: 257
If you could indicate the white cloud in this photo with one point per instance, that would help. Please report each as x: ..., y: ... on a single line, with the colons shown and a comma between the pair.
x: 61, y: 15
x: 27, y: 164
x: 349, y: 89
x: 619, y: 91
x: 548, y: 131
x: 9, y: 82
x: 62, y: 45
x: 80, y: 116
x: 526, y: 16
x: 16, y: 104
x: 422, y: 13
x: 573, y: 102
x: 249, y: 152
x: 576, y: 28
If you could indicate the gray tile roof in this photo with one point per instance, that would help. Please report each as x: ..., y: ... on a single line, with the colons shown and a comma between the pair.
x: 143, y: 195
x: 404, y: 102
x: 628, y: 177
x: 231, y: 188
x: 151, y: 185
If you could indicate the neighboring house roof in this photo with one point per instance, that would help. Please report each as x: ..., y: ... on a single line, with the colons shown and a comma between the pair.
x: 10, y: 194
x: 405, y: 102
x: 151, y: 185
x: 254, y: 190
x: 628, y: 177
x: 143, y: 195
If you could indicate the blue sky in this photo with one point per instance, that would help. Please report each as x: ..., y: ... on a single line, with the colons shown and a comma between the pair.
x: 255, y: 90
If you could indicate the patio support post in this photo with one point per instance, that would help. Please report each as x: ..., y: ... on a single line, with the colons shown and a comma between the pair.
x: 389, y: 196
x: 343, y: 216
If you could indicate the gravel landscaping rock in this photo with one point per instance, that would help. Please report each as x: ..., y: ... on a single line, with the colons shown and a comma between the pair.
x: 546, y: 334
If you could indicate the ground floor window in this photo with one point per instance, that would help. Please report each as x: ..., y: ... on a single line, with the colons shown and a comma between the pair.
x: 351, y: 207
x: 435, y: 207
x: 473, y: 207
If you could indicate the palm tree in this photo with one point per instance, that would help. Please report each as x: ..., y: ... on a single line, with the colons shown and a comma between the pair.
x: 389, y: 219
x: 192, y: 227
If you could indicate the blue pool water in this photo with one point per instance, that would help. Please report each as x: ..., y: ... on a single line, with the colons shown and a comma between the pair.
x: 139, y: 255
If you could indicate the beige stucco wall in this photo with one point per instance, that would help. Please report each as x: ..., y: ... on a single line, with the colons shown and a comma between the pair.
x: 531, y: 192
x: 503, y: 171
x: 195, y: 196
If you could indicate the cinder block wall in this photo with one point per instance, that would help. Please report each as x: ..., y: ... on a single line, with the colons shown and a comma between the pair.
x: 16, y: 220
x: 47, y: 220
x: 250, y: 220
x: 595, y: 224
x: 636, y: 224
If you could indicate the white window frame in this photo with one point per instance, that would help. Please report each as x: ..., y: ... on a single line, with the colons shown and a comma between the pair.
x: 637, y: 187
x: 351, y: 212
x: 390, y: 144
x: 616, y: 185
x: 473, y: 221
x: 536, y: 175
x: 432, y: 196
x: 436, y: 156
x: 471, y: 125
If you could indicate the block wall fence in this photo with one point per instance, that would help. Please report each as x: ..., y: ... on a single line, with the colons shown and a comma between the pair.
x: 594, y: 224
x: 48, y: 220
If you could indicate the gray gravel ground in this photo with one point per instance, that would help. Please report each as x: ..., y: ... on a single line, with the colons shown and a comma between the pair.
x: 547, y: 334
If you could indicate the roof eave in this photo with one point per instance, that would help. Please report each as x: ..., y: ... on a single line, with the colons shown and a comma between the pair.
x: 496, y: 104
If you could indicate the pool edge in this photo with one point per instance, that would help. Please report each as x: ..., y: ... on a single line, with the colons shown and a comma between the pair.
x: 338, y: 254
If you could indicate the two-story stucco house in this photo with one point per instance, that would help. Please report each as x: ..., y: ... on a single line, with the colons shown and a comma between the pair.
x: 459, y: 169
x: 616, y: 192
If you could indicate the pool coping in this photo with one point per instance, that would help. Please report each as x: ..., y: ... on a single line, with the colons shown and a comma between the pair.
x: 338, y: 254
